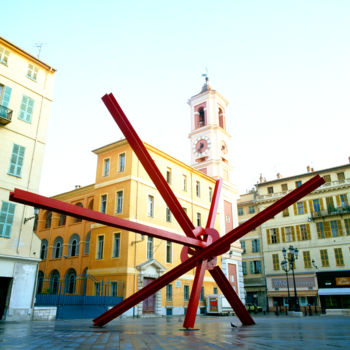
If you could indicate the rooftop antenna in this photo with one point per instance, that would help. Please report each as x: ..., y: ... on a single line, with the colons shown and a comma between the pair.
x: 39, y: 47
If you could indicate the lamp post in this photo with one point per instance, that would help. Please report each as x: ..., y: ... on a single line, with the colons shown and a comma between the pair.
x: 284, y: 265
x: 292, y: 256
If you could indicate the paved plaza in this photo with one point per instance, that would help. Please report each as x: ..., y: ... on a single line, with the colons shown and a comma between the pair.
x: 270, y: 332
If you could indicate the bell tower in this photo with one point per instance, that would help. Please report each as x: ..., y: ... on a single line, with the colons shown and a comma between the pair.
x: 209, y: 137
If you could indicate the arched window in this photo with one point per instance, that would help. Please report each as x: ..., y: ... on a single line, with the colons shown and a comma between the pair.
x: 40, y: 282
x: 221, y: 119
x: 62, y: 220
x: 54, y: 282
x: 57, y: 248
x: 48, y: 219
x: 91, y: 204
x: 73, y: 245
x: 43, y: 249
x: 201, y: 120
x: 78, y: 219
x: 70, y: 280
x: 87, y: 243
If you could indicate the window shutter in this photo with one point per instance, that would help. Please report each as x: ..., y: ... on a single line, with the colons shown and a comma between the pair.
x: 283, y: 235
x: 6, y: 97
x: 293, y: 234
x: 295, y: 209
x: 321, y: 204
x: 311, y: 206
x: 298, y: 232
x: 258, y: 245
x: 327, y: 229
x: 251, y: 267
x: 268, y: 236
x: 305, y: 207
x: 340, y: 228
x: 258, y: 266
x: 337, y: 197
x: 278, y: 235
x: 308, y: 232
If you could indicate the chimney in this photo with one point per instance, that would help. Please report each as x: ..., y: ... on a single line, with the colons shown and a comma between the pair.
x: 279, y: 176
x: 349, y: 159
x: 77, y: 186
x: 308, y: 168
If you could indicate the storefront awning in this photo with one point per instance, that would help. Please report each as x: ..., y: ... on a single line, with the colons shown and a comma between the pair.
x: 334, y: 291
x: 300, y: 293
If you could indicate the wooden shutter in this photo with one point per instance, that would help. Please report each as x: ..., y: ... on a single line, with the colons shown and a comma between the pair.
x: 340, y: 228
x: 293, y: 233
x: 268, y: 236
x: 251, y: 267
x: 308, y: 232
x: 295, y: 209
x: 283, y: 235
x: 321, y: 204
x: 337, y: 197
x: 278, y: 235
x: 305, y: 207
x: 327, y: 229
x: 6, y: 97
x: 311, y: 206
x: 298, y: 232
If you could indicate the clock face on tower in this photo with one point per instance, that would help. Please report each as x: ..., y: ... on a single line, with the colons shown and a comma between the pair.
x: 201, y: 146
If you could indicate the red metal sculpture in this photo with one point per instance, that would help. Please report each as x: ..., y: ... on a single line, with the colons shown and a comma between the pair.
x: 203, y: 244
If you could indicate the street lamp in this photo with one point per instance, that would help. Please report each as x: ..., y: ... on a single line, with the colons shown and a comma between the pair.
x: 292, y: 256
x: 284, y: 265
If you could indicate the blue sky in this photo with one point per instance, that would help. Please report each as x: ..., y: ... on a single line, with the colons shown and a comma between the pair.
x: 282, y: 65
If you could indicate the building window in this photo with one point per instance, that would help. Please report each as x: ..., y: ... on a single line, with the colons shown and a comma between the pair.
x: 116, y: 247
x: 316, y: 205
x: 121, y: 166
x: 198, y: 189
x: 100, y: 241
x: 275, y: 262
x: 48, y: 219
x: 57, y: 248
x: 339, y: 261
x: 169, y: 257
x: 240, y: 211
x: 330, y: 204
x: 320, y: 230
x: 199, y: 219
x: 300, y: 207
x: 210, y: 192
x: 270, y: 190
x: 167, y: 214
x: 244, y: 267
x: 341, y: 177
x: 43, y: 249
x: 303, y: 233
x: 324, y: 257
x: 70, y: 281
x: 6, y: 218
x: 284, y: 187
x: 119, y: 208
x: 106, y: 167
x: 114, y: 286
x: 73, y: 245
x: 343, y: 201
x: 103, y: 203
x: 307, y: 259
x: 243, y: 247
x: 4, y: 55
x: 32, y: 72
x: 97, y: 289
x: 201, y: 120
x: 347, y: 226
x: 288, y: 234
x: 26, y: 109
x: 87, y: 243
x: 202, y: 294
x: 255, y: 245
x: 298, y: 184
x: 150, y: 206
x: 251, y: 209
x: 16, y: 161
x: 274, y: 236
x: 334, y: 228
x: 255, y: 267
x: 186, y: 292
x: 149, y: 248
x: 327, y: 178
x: 62, y: 220
x: 184, y: 182
x: 78, y: 219
x: 168, y: 176
x: 169, y: 292
x: 285, y: 212
x: 215, y: 290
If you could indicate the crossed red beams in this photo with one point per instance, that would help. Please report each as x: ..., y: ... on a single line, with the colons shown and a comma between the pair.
x: 206, y: 241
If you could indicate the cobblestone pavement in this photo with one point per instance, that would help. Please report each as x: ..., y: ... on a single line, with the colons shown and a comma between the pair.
x: 270, y: 332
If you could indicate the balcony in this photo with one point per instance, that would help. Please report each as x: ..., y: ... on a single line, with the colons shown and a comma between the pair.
x: 5, y: 115
x: 330, y: 212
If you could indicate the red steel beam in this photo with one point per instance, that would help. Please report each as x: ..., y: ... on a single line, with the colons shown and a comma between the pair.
x: 209, y: 252
x: 214, y: 204
x: 149, y: 164
x: 55, y: 205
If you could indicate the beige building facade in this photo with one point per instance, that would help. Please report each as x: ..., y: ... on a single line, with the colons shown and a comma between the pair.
x: 26, y: 87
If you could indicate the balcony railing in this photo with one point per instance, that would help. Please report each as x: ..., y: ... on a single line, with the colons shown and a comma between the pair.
x: 5, y: 115
x: 330, y: 212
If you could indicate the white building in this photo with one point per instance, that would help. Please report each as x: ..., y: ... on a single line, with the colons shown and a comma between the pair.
x: 26, y: 86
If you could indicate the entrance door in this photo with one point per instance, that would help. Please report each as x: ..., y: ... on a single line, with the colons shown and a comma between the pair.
x: 5, y: 283
x: 148, y: 304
